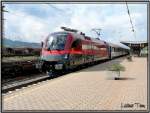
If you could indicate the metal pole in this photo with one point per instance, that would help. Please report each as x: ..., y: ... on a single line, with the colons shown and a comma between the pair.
x: 3, y: 34
x: 133, y: 30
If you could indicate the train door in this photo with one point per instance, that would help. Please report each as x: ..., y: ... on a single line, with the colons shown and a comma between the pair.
x: 76, y: 53
x: 109, y: 50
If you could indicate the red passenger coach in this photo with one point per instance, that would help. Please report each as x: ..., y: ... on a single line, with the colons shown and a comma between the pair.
x: 62, y: 51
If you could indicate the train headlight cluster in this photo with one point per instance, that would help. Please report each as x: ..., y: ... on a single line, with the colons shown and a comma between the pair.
x: 66, y: 56
x: 58, y: 66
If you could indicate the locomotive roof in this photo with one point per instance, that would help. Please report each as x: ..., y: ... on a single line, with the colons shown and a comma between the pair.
x: 83, y: 38
x: 92, y: 39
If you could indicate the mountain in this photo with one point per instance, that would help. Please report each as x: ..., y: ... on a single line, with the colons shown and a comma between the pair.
x: 19, y: 44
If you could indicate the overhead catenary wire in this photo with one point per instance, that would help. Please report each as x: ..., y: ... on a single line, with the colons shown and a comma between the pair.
x: 97, y: 31
x: 133, y: 30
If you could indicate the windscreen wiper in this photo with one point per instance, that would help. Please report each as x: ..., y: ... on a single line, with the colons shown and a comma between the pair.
x: 58, y: 49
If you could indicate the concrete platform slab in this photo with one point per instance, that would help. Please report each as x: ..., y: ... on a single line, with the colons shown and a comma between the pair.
x: 88, y: 89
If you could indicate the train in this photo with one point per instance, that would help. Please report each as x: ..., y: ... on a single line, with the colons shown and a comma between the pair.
x: 68, y: 49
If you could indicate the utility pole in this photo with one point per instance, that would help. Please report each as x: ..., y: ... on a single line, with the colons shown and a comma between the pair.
x: 97, y: 31
x: 3, y: 10
x: 133, y: 30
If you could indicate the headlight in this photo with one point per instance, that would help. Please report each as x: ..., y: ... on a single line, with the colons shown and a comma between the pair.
x: 66, y: 56
x: 58, y: 66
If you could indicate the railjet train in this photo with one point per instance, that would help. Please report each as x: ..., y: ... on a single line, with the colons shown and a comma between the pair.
x: 68, y: 49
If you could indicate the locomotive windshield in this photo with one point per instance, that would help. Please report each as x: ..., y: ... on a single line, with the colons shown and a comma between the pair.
x: 56, y: 42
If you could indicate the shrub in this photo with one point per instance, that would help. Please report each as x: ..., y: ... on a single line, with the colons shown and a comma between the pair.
x: 129, y: 58
x: 117, y: 68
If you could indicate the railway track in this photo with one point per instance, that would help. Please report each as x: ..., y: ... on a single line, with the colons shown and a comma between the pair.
x: 17, y: 83
x: 24, y: 81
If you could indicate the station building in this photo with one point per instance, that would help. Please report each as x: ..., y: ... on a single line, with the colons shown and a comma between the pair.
x: 138, y: 48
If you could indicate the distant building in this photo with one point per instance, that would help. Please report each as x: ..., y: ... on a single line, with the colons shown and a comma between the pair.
x: 138, y: 48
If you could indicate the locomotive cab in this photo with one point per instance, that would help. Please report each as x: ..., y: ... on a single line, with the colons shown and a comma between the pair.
x: 54, y: 56
x: 55, y: 42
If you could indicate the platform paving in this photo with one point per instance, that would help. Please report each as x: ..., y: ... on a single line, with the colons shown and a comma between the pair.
x: 88, y: 89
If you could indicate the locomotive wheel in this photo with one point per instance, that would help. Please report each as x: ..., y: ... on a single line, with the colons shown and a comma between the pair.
x: 50, y: 74
x: 53, y: 73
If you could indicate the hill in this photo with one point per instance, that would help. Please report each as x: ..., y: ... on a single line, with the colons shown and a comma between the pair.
x: 19, y: 44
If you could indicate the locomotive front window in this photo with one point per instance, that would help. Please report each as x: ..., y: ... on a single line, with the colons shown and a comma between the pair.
x: 56, y: 42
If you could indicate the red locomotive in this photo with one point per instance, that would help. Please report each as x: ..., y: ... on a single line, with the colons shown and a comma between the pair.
x: 66, y: 50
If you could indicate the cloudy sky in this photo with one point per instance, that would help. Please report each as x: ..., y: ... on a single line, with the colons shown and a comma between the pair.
x: 33, y: 22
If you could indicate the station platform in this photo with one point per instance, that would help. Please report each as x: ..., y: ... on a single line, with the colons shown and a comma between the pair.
x: 88, y: 89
